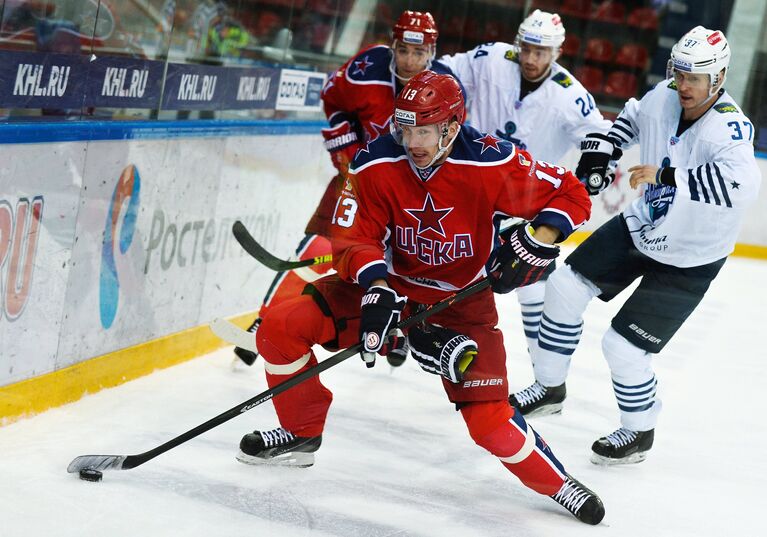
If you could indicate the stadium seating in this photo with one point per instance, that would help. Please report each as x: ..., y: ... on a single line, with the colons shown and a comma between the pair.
x: 590, y: 77
x: 621, y: 85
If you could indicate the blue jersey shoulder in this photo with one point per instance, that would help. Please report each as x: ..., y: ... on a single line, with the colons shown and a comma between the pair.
x: 475, y: 146
x: 371, y: 65
x: 383, y: 147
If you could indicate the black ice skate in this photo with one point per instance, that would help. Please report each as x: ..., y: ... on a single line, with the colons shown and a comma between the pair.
x: 622, y: 447
x: 539, y: 400
x: 580, y: 501
x: 248, y: 357
x: 278, y: 447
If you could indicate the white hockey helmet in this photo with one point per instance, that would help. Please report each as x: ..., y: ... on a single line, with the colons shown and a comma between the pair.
x: 543, y: 29
x: 701, y: 51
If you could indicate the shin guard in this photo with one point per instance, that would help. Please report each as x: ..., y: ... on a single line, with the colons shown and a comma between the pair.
x: 494, y: 426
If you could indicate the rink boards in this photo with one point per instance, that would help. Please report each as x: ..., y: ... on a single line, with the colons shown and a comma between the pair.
x: 116, y: 249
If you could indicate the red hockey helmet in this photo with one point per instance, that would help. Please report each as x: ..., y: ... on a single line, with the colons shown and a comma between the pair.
x: 429, y: 98
x: 416, y: 28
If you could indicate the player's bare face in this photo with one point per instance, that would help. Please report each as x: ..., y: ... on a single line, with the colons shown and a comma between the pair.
x: 421, y: 143
x: 693, y: 90
x: 410, y: 59
x: 534, y: 60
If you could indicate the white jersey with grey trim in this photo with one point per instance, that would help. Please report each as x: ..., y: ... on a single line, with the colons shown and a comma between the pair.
x: 548, y: 122
x: 716, y: 177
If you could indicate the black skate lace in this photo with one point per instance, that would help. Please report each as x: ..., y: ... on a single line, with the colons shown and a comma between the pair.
x: 621, y: 437
x: 571, y: 496
x: 276, y: 437
x: 531, y: 394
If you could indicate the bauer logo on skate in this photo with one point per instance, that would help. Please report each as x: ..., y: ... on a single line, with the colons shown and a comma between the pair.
x: 18, y: 249
x: 126, y: 191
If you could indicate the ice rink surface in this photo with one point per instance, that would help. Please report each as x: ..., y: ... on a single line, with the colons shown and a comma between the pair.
x: 396, y: 459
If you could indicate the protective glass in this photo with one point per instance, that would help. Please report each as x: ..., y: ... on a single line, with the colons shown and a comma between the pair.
x: 419, y: 136
x: 695, y: 80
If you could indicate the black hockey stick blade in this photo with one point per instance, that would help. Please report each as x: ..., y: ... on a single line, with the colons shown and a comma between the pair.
x: 126, y: 462
x: 250, y: 245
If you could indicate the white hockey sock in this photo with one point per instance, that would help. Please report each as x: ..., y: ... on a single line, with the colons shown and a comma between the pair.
x: 567, y: 295
x: 634, y: 382
x: 531, y: 303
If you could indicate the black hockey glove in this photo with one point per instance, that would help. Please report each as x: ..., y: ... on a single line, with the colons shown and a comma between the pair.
x: 594, y: 168
x: 381, y: 308
x: 442, y: 351
x: 520, y: 261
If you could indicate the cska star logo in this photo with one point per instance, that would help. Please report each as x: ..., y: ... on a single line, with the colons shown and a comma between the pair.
x: 488, y: 141
x: 379, y: 130
x: 429, y: 217
x: 429, y: 251
x: 360, y: 66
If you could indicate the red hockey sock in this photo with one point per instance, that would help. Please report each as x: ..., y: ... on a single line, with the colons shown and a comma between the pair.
x: 495, y: 426
x: 285, y: 339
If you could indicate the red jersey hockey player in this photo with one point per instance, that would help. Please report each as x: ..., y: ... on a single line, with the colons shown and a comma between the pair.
x: 358, y: 100
x: 415, y: 223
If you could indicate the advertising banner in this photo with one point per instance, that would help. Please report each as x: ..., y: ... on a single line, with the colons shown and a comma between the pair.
x: 42, y: 80
x: 70, y: 81
x: 38, y: 208
x: 124, y: 83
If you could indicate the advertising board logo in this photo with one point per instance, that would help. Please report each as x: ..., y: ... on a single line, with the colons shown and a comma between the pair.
x: 126, y: 191
x: 18, y: 249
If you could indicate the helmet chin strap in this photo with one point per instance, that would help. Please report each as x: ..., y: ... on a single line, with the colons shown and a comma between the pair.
x: 440, y: 150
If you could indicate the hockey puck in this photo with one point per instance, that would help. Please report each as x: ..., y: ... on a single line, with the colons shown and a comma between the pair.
x: 89, y: 474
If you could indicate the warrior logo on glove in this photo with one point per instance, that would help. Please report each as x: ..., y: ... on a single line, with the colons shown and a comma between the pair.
x: 520, y: 261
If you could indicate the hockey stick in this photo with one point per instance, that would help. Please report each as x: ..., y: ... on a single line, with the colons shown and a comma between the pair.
x: 126, y: 462
x: 250, y: 245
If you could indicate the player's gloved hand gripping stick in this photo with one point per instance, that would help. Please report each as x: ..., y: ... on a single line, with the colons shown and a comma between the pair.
x: 126, y: 462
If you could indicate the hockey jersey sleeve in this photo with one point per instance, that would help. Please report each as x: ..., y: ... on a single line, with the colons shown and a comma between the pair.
x: 359, y: 233
x: 731, y: 179
x: 335, y: 97
x: 464, y: 68
x: 544, y: 194
x: 625, y: 130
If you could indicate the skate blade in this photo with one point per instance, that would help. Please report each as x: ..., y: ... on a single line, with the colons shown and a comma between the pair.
x: 607, y: 461
x: 547, y: 410
x: 296, y: 460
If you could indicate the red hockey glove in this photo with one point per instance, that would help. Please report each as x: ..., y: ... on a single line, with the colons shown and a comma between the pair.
x: 342, y: 142
x: 381, y: 308
x: 520, y: 261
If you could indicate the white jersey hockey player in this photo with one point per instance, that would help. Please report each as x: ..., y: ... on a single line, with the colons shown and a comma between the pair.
x: 520, y: 93
x: 700, y: 175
